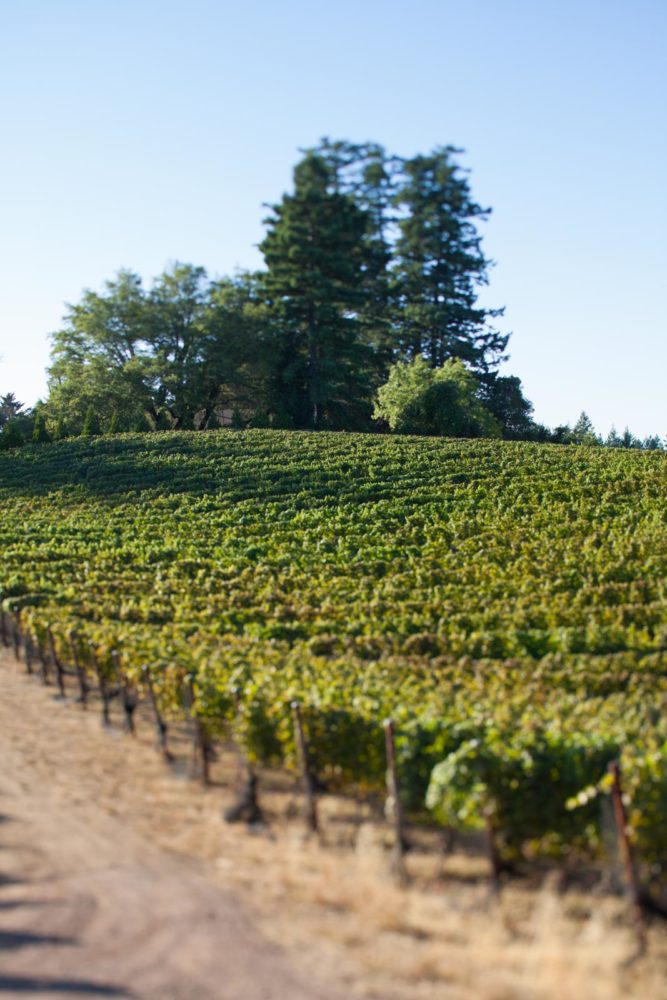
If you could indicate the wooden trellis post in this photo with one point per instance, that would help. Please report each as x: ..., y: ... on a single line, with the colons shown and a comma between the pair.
x: 393, y: 805
x: 306, y: 776
x: 28, y: 650
x: 55, y: 663
x: 102, y: 685
x: 495, y: 862
x: 160, y: 725
x: 127, y: 693
x: 80, y: 672
x: 627, y: 853
x: 246, y: 807
x: 16, y: 635
x: 201, y: 749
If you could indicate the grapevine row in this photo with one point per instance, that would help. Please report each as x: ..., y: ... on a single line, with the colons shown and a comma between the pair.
x: 504, y: 604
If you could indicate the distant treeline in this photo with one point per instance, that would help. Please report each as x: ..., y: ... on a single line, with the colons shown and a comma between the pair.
x: 365, y: 317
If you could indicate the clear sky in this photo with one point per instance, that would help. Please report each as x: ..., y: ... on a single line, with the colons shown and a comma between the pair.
x: 137, y: 132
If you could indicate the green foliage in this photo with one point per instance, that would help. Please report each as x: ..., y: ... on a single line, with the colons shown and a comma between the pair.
x: 503, y: 396
x: 60, y: 430
x: 370, y: 259
x: 420, y: 399
x: 91, y: 423
x: 521, y: 779
x: 40, y: 435
x: 583, y: 431
x: 11, y: 436
x: 628, y: 440
x: 10, y: 408
x: 439, y: 265
x: 164, y: 358
x: 314, y: 253
x: 504, y: 603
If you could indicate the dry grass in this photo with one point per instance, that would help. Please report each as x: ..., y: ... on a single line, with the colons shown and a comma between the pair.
x: 336, y: 907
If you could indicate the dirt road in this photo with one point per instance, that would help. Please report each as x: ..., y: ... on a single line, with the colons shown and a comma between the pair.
x: 88, y: 905
x: 118, y: 878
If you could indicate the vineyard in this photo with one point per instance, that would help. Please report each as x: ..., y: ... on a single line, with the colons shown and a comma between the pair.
x: 504, y: 603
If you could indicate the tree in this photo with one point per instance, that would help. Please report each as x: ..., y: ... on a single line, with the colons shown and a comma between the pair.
x: 9, y: 408
x: 101, y: 356
x: 313, y: 251
x: 241, y: 349
x: 653, y: 443
x: 370, y: 259
x: 178, y: 337
x: 439, y: 266
x: 365, y: 173
x: 420, y: 399
x: 583, y: 431
x: 11, y: 436
x: 164, y: 358
x: 91, y: 424
x: 40, y: 434
x: 503, y: 397
x: 613, y: 439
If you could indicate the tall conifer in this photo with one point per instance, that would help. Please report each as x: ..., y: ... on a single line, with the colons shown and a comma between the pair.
x: 314, y: 257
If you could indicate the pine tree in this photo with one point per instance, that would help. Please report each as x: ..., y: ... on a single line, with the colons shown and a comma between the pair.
x: 9, y: 408
x: 439, y: 266
x: 314, y: 256
x: 366, y: 173
x: 583, y: 431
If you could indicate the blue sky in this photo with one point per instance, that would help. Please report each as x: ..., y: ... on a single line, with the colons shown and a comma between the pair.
x: 136, y: 133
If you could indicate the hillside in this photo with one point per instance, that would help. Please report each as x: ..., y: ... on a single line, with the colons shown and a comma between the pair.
x: 504, y: 602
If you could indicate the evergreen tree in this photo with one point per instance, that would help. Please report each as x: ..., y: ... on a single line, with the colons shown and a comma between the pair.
x: 314, y: 256
x: 91, y: 423
x: 40, y: 435
x: 652, y: 443
x: 11, y: 436
x: 629, y: 440
x: 613, y: 439
x: 503, y: 396
x: 439, y: 266
x: 366, y: 173
x: 9, y: 408
x: 583, y: 431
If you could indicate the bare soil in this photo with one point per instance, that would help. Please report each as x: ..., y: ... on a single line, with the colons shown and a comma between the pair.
x: 119, y: 878
x: 90, y: 905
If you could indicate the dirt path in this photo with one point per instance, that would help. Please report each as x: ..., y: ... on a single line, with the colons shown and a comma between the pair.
x: 119, y: 879
x: 88, y: 905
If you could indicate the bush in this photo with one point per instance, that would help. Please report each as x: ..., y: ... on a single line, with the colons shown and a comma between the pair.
x: 418, y: 399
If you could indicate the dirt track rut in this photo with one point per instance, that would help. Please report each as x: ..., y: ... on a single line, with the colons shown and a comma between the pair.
x: 88, y: 905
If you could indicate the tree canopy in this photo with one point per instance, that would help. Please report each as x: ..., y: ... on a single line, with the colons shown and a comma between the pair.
x: 365, y: 316
x: 420, y: 399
